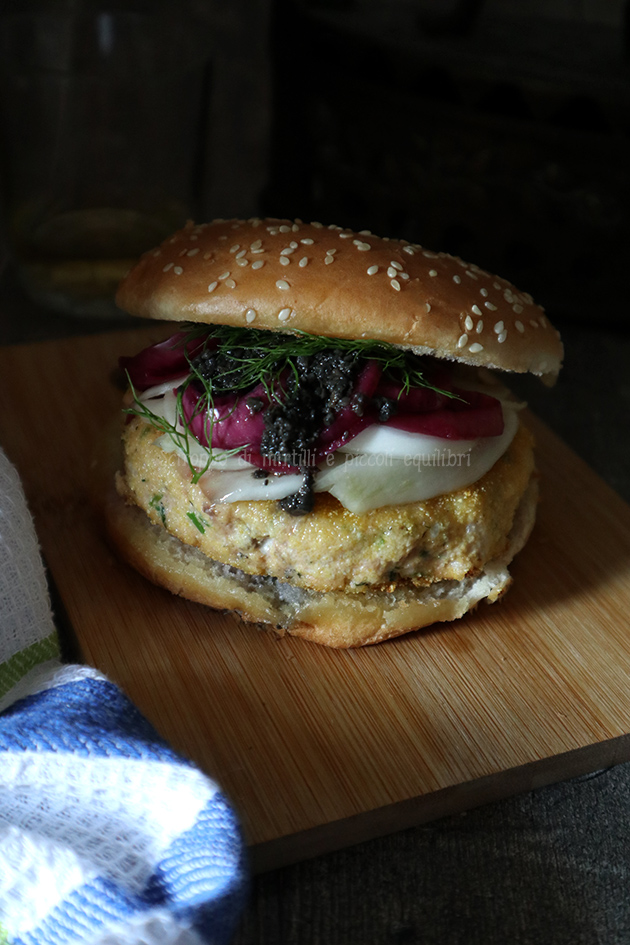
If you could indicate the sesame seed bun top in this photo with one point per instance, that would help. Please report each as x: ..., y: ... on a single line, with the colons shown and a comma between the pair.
x: 284, y: 274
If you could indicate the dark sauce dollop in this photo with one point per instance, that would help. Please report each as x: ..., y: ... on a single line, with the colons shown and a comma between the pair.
x: 225, y: 368
x: 314, y: 394
x: 302, y: 501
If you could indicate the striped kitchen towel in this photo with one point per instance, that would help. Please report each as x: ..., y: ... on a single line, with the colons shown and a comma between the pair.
x: 107, y: 836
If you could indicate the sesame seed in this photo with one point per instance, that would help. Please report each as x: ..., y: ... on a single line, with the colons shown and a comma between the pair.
x: 284, y: 261
x: 317, y: 224
x: 224, y: 275
x: 183, y: 252
x: 328, y: 260
x: 331, y: 252
x: 427, y: 305
x: 284, y: 314
x: 307, y: 241
x: 230, y: 283
x: 429, y: 255
x: 483, y: 292
x: 519, y: 326
x: 463, y: 341
x: 193, y: 252
x: 395, y: 284
x: 242, y: 262
x: 490, y: 306
x: 293, y: 245
x: 409, y: 249
x: 479, y: 326
x: 475, y: 310
x: 372, y: 270
x: 471, y: 274
x: 235, y: 249
x: 207, y: 255
x: 284, y: 228
x: 501, y: 337
x: 391, y: 272
x: 177, y: 270
x: 168, y: 266
x: 432, y: 272
x: 517, y: 309
x: 238, y: 255
x: 496, y: 285
x: 254, y: 246
x: 212, y: 286
x: 475, y: 348
x: 250, y: 315
x: 508, y: 296
x: 396, y: 265
x: 533, y: 323
x: 498, y: 328
x: 288, y: 251
x: 403, y: 275
x: 157, y: 252
x: 362, y: 247
x: 281, y: 284
x: 468, y: 323
x: 345, y: 236
x: 303, y: 262
x: 295, y: 227
x: 365, y: 232
x: 258, y: 251
x: 457, y: 279
x: 258, y: 264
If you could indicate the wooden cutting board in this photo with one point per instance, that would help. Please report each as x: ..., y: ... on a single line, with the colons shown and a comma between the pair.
x: 321, y: 748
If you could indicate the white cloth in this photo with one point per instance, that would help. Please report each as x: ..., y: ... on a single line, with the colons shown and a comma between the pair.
x: 107, y: 836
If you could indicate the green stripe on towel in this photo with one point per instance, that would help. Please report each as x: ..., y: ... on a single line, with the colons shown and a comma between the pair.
x: 23, y: 662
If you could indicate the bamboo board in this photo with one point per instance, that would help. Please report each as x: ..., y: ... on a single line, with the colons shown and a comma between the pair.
x: 320, y: 748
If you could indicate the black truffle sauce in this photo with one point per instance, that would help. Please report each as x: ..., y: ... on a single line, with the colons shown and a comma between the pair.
x: 320, y: 386
x: 224, y: 369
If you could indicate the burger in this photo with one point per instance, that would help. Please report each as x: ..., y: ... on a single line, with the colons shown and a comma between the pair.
x: 324, y: 444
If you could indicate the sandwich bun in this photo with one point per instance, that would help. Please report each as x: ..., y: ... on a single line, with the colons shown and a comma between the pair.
x: 282, y: 275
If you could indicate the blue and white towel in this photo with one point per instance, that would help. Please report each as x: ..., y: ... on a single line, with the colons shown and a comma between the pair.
x: 107, y: 836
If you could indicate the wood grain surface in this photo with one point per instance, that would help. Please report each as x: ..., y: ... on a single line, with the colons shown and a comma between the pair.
x: 321, y: 748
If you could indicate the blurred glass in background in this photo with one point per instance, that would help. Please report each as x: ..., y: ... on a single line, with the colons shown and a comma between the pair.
x: 102, y: 124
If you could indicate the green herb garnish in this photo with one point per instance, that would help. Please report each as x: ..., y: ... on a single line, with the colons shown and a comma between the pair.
x: 156, y: 503
x: 263, y: 356
x: 194, y: 518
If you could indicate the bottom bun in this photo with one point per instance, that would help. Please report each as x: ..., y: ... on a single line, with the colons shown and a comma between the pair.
x: 331, y: 618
